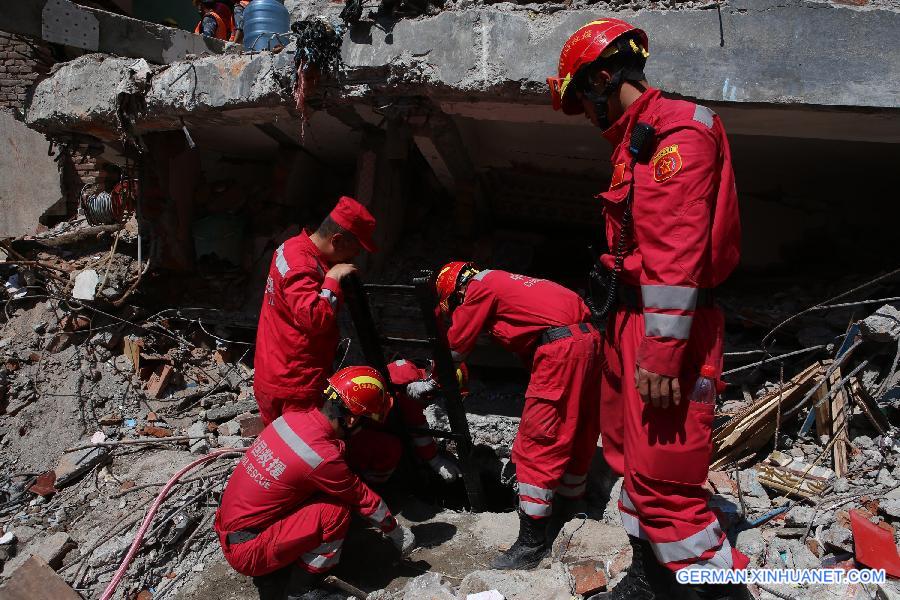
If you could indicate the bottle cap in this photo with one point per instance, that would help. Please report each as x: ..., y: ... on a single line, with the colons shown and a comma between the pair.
x: 708, y: 371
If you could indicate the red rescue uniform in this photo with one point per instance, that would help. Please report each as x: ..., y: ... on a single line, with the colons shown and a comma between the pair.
x: 559, y: 429
x: 294, y: 492
x: 375, y: 453
x: 298, y: 332
x: 685, y: 241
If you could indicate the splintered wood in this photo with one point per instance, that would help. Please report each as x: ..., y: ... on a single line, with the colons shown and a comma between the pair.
x: 748, y: 431
x: 792, y: 476
x: 738, y: 440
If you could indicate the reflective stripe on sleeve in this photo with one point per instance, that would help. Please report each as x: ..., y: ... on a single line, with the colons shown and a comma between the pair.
x: 673, y: 297
x: 281, y: 262
x: 296, y: 443
x: 703, y: 115
x: 482, y: 274
x: 380, y: 513
x: 329, y: 295
x: 677, y: 327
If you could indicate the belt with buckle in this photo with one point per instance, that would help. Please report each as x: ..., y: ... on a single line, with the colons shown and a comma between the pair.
x: 239, y: 537
x: 560, y: 333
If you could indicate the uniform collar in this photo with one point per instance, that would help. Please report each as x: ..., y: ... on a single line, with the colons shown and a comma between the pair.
x: 313, y: 249
x: 618, y: 130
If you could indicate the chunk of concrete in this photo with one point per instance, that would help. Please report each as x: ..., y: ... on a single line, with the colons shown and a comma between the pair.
x: 73, y: 465
x: 51, y: 549
x: 554, y: 583
x: 34, y: 579
x: 230, y: 410
x: 25, y: 193
x: 430, y: 585
x: 883, y: 325
x: 86, y: 285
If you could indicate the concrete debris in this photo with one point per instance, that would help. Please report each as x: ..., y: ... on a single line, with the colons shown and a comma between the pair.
x: 73, y: 465
x: 883, y: 326
x: 429, y: 585
x: 51, y: 549
x: 34, y: 579
x: 554, y: 583
x: 86, y: 285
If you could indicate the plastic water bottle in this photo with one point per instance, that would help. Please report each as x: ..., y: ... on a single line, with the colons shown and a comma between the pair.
x: 267, y: 25
x: 705, y: 388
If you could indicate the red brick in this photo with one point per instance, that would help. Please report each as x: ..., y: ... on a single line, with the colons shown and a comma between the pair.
x: 159, y: 381
x: 251, y: 425
x: 589, y: 577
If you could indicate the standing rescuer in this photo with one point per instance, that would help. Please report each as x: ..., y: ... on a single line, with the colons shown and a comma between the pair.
x: 297, y: 338
x: 673, y: 230
x: 286, y: 508
x: 547, y: 326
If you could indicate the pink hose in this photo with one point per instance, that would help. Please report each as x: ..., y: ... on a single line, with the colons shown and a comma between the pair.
x: 139, y: 538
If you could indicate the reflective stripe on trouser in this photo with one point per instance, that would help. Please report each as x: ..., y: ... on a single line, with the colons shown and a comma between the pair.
x: 560, y: 423
x: 664, y: 453
x: 707, y: 548
x: 323, y: 557
x: 319, y: 524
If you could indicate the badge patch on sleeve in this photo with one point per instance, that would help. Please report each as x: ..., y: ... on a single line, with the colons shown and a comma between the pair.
x: 666, y: 163
x: 618, y: 175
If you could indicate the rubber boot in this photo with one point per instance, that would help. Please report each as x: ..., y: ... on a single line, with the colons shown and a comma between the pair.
x: 273, y: 586
x: 529, y: 548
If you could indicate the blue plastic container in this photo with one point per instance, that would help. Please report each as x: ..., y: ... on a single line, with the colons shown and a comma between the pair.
x: 267, y: 25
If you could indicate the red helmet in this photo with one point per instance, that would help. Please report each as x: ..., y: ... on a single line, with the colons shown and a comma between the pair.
x: 593, y: 41
x: 449, y: 279
x: 362, y: 391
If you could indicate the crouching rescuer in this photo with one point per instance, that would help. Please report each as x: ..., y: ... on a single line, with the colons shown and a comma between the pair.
x: 287, y: 506
x: 673, y: 230
x: 547, y: 326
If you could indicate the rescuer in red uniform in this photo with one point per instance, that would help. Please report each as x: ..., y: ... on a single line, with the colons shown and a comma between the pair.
x: 547, y: 326
x: 374, y: 453
x: 297, y: 336
x: 286, y: 508
x: 673, y: 228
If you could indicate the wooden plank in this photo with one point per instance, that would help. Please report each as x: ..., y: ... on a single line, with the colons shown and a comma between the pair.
x: 869, y: 407
x: 823, y: 414
x: 751, y: 428
x: 36, y: 580
x: 839, y: 407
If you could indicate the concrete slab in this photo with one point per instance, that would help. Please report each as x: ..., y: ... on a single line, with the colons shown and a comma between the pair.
x: 25, y: 193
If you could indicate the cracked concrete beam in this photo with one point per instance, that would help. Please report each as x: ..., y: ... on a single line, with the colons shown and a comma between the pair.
x: 118, y: 35
x: 786, y: 52
x: 442, y: 146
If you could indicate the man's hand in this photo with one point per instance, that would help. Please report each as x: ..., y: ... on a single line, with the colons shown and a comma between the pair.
x: 341, y: 270
x: 656, y: 389
x: 403, y: 539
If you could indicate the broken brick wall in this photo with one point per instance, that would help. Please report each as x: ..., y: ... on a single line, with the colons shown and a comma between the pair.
x: 23, y: 62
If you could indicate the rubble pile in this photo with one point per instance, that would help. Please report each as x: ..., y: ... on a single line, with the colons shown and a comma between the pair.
x: 103, y: 396
x: 100, y: 403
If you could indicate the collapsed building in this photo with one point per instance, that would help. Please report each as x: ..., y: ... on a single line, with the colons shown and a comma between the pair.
x: 441, y: 124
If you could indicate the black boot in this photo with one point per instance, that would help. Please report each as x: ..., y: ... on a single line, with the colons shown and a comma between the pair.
x: 300, y: 583
x: 646, y: 579
x: 273, y: 586
x: 564, y: 510
x: 530, y: 547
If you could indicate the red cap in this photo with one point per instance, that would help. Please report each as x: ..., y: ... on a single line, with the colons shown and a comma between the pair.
x: 355, y: 218
x: 708, y: 371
